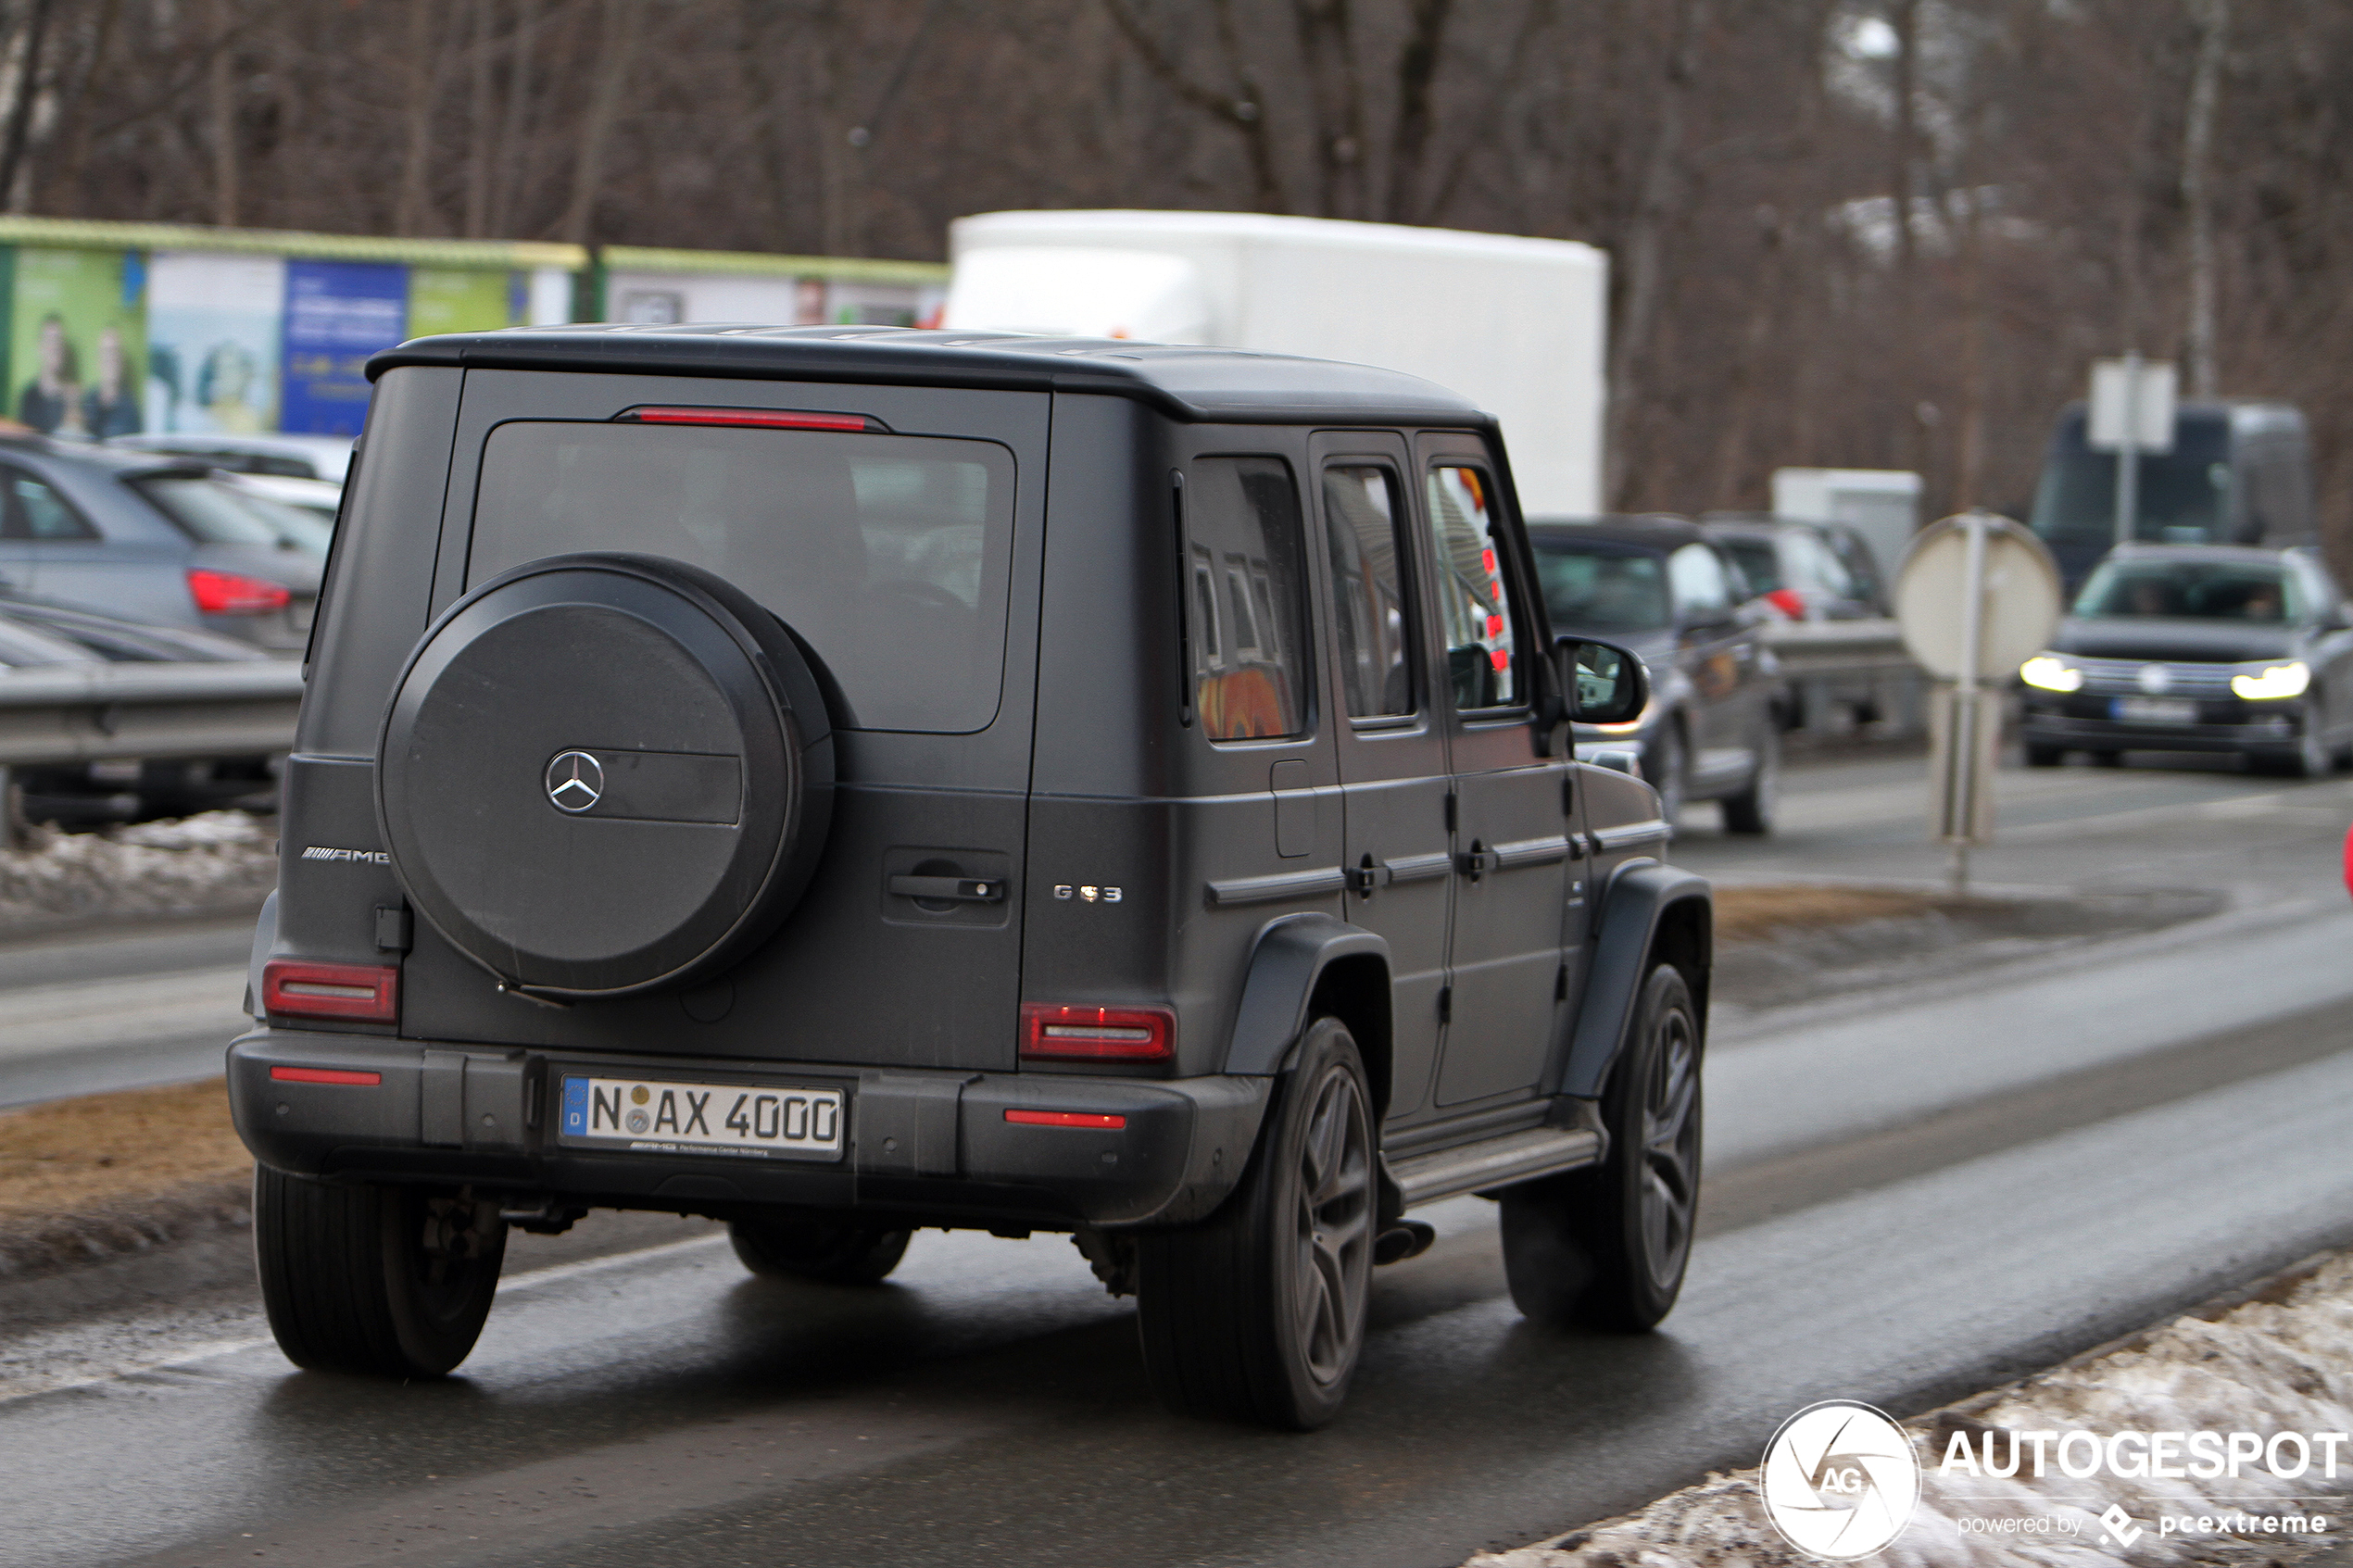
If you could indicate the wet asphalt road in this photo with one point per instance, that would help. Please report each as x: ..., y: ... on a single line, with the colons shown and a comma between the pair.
x: 1913, y: 1194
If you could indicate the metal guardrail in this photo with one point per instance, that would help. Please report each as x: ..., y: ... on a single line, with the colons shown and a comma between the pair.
x: 98, y: 712
x: 1832, y: 665
x: 1837, y: 647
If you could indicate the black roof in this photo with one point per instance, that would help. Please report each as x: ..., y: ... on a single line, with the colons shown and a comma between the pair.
x: 1642, y: 530
x: 1190, y: 383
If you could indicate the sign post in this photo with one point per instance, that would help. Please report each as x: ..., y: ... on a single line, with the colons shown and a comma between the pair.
x: 1977, y: 596
x: 2132, y: 412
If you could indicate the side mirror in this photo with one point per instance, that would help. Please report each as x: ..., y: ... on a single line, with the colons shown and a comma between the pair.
x: 1601, y: 684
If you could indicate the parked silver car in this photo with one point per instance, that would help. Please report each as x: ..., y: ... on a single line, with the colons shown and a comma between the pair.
x: 156, y: 539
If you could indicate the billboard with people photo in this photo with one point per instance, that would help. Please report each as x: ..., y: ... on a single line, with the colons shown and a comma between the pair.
x: 77, y: 341
x: 212, y: 342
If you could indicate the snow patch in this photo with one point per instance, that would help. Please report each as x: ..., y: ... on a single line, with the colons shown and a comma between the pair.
x: 2282, y: 1362
x: 219, y: 862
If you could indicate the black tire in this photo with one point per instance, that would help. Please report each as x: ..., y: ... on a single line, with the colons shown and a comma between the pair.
x: 2105, y: 759
x: 1607, y: 1247
x: 1258, y: 1313
x: 391, y: 1280
x: 2045, y: 756
x: 1751, y: 811
x: 1666, y: 769
x: 837, y: 1254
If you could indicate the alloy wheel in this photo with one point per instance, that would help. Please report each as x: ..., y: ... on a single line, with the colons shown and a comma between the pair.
x: 1669, y: 1173
x: 1334, y: 1240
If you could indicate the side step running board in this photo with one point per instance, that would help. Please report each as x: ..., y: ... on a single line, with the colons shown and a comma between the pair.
x: 1492, y: 1162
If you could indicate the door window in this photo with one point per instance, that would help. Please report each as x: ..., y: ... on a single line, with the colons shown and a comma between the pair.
x: 1703, y: 594
x: 36, y: 511
x: 1362, y: 524
x: 1474, y: 606
x: 1244, y: 601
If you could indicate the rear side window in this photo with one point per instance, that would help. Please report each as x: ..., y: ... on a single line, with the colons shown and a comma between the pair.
x: 1244, y: 584
x: 889, y: 554
x: 1368, y: 551
x: 36, y: 511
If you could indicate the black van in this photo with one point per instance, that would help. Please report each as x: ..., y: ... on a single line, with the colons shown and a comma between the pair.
x: 842, y: 781
x: 2240, y: 474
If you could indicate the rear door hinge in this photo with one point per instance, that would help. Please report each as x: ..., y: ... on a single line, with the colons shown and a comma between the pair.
x: 1450, y: 810
x: 1446, y: 1004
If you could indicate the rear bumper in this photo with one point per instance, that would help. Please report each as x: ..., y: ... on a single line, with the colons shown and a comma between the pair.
x: 930, y: 1148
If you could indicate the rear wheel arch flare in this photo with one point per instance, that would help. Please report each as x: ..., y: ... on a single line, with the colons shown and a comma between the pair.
x: 1355, y: 989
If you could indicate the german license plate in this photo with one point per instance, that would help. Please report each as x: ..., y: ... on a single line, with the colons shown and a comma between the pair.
x: 665, y: 1116
x: 2154, y: 710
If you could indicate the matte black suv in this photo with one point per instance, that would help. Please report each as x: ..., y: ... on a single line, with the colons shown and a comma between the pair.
x: 841, y: 782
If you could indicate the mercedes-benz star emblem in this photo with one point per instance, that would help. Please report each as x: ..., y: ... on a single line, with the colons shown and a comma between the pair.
x: 576, y: 781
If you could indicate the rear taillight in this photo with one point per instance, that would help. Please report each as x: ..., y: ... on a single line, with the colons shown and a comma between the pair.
x: 1051, y: 1032
x: 230, y: 593
x: 302, y: 990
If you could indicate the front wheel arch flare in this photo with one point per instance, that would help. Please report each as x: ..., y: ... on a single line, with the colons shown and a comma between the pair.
x: 1653, y: 913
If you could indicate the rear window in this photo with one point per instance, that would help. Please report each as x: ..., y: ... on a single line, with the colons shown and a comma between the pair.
x: 211, y: 513
x: 1589, y: 589
x: 889, y: 554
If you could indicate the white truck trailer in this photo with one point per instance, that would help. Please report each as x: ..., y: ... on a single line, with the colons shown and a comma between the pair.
x: 1516, y: 324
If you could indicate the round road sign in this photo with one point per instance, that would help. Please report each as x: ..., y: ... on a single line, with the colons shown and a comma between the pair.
x: 2023, y: 600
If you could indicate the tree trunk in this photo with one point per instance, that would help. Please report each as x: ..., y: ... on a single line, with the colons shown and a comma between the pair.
x: 1327, y: 48
x: 1640, y: 257
x: 480, y: 143
x: 2205, y: 82
x: 27, y: 58
x: 1416, y: 72
x: 414, y: 215
x: 517, y: 121
x: 618, y: 45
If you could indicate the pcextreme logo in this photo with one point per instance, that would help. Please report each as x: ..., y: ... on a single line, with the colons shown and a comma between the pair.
x: 1839, y: 1480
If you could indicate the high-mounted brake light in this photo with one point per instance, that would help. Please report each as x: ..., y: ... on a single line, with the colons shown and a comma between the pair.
x: 325, y: 1075
x: 1051, y: 1032
x: 230, y: 593
x: 758, y: 418
x: 302, y: 990
x: 1065, y: 1119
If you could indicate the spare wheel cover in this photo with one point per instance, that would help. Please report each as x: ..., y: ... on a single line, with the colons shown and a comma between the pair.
x: 604, y: 774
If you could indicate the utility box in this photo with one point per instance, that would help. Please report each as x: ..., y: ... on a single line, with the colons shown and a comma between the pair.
x: 1515, y: 324
x: 1882, y: 504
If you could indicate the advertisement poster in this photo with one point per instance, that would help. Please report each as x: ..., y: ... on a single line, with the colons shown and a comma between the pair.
x: 337, y: 314
x: 451, y: 299
x: 76, y: 342
x: 212, y: 342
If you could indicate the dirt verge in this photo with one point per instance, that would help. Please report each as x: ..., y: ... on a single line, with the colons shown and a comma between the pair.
x: 83, y: 1180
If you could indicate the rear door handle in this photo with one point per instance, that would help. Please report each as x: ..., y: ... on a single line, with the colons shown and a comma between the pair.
x: 964, y: 889
x: 1477, y: 861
